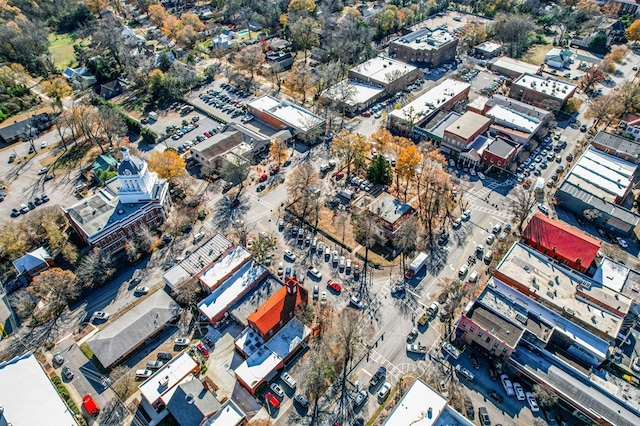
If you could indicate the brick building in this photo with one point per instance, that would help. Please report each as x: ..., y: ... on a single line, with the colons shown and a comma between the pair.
x: 117, y: 213
x: 499, y: 152
x: 461, y: 133
x: 547, y: 93
x: 425, y: 46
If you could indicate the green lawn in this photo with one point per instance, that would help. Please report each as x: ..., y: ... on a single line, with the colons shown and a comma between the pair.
x: 61, y: 48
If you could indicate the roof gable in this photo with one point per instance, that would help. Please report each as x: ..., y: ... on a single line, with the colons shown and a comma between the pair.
x: 557, y: 237
x: 32, y: 260
x: 278, y: 307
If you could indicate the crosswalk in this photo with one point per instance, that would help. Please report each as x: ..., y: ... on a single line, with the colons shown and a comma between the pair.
x: 499, y: 213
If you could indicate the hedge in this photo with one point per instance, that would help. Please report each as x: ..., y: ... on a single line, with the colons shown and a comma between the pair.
x: 133, y: 125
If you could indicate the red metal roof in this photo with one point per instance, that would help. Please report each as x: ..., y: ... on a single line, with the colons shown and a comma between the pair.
x: 567, y: 242
x: 278, y: 307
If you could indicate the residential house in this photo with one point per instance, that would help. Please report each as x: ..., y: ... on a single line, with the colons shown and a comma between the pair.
x: 629, y: 126
x: 228, y: 415
x: 192, y: 402
x: 389, y: 214
x: 561, y: 242
x: 104, y: 163
x: 31, y: 264
x: 586, y: 41
x: 21, y: 130
x: 558, y: 58
x: 109, y: 89
x: 370, y: 12
x: 279, y: 61
x: 224, y: 40
x: 131, y: 38
x: 79, y: 78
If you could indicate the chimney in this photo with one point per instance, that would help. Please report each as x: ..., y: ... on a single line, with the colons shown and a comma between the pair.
x: 125, y: 154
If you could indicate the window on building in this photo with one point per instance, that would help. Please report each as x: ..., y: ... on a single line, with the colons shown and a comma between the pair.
x: 472, y: 329
x: 499, y: 163
x: 480, y: 333
x: 504, y: 350
x: 463, y: 324
x: 496, y: 344
x: 488, y: 340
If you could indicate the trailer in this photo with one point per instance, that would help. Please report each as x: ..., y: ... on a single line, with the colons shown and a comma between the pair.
x: 416, y: 265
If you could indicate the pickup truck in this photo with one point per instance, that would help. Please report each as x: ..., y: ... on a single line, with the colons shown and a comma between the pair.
x: 416, y: 348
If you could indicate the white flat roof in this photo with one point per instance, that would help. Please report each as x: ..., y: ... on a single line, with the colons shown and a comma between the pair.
x: 288, y: 338
x: 488, y: 46
x: 28, y: 397
x: 549, y: 86
x: 258, y: 366
x: 425, y: 39
x: 608, y: 173
x: 224, y: 266
x: 228, y: 415
x: 354, y: 93
x: 287, y: 112
x: 175, y: 370
x: 420, y: 406
x: 432, y: 100
x: 227, y: 292
x: 518, y: 120
x: 611, y: 274
x: 383, y: 70
x: 515, y: 65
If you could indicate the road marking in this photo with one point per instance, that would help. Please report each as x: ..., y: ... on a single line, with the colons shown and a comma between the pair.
x: 366, y: 372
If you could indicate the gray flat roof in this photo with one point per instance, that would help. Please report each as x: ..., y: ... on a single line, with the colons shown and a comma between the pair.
x: 610, y: 209
x: 259, y: 294
x: 442, y: 120
x: 389, y: 208
x: 500, y: 147
x: 130, y: 330
x: 468, y: 124
x: 620, y: 144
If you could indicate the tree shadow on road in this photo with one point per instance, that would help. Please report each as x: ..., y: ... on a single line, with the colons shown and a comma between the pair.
x: 227, y: 210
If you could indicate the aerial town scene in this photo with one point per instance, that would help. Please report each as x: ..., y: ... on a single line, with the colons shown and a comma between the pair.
x: 319, y: 212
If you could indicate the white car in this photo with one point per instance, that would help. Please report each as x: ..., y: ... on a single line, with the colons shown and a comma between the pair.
x: 472, y: 171
x: 335, y: 256
x: 341, y: 263
x: 360, y: 398
x: 463, y: 271
x: 100, y: 315
x: 290, y: 381
x: 506, y: 383
x: 356, y: 302
x: 481, y: 175
x: 323, y: 297
x: 288, y: 254
x: 141, y: 290
x: 466, y: 215
x: 280, y: 268
x: 277, y: 389
x: 532, y: 402
x: 43, y: 145
x: 622, y: 242
x: 181, y: 341
x: 384, y: 391
x: 314, y: 272
x: 519, y: 391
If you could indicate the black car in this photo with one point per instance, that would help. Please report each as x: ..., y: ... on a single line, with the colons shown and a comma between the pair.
x: 164, y: 356
x: 15, y: 212
x: 495, y: 395
x: 44, y: 197
x: 31, y: 205
x: 378, y: 376
x: 443, y: 238
x: 37, y: 200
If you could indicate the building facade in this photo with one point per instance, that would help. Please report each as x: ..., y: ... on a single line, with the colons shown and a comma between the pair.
x: 133, y: 200
x: 425, y: 47
x: 547, y: 93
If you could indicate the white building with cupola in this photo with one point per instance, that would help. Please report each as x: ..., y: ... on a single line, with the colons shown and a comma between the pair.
x: 116, y: 213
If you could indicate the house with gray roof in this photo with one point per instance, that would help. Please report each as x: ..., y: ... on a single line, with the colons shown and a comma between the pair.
x: 34, y: 262
x: 389, y: 214
x: 133, y: 329
x: 191, y: 403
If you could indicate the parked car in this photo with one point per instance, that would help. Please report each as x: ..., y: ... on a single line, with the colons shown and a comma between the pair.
x: 288, y: 254
x: 532, y: 402
x: 154, y: 365
x: 316, y: 292
x: 464, y: 372
x: 378, y: 376
x: 508, y: 386
x: 164, y: 356
x: 485, y: 420
x: 67, y: 373
x: 356, y: 302
x: 288, y: 380
x: 203, y: 349
x: 100, y: 315
x: 301, y: 400
x: 277, y: 389
x: 272, y: 400
x: 141, y: 290
x: 181, y: 341
x: 333, y: 285
x: 517, y: 387
x: 622, y: 242
x: 58, y: 359
x: 383, y: 393
x: 314, y: 272
x: 360, y: 398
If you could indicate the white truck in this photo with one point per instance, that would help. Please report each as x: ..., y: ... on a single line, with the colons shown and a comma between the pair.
x: 416, y: 265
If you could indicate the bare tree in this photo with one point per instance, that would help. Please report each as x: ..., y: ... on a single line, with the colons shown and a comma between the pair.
x: 56, y: 288
x: 236, y: 170
x: 522, y: 203
x: 514, y: 31
x: 250, y: 59
x: 96, y: 268
x: 112, y: 125
x: 304, y: 33
x: 351, y: 148
x: 546, y: 397
x: 304, y: 189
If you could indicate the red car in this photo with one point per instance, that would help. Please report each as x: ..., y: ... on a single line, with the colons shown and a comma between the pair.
x: 334, y: 286
x: 90, y: 405
x: 263, y: 177
x: 272, y: 400
x: 203, y: 349
x: 366, y: 113
x: 274, y: 171
x: 207, y: 134
x: 339, y: 175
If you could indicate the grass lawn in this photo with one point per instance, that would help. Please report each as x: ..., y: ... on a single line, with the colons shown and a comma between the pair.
x: 536, y: 53
x: 61, y: 48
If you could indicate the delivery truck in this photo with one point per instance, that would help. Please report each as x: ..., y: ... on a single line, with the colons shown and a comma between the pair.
x: 416, y: 265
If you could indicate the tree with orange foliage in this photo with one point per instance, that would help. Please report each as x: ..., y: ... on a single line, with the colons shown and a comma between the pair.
x: 351, y: 148
x: 157, y: 15
x: 381, y: 139
x: 170, y: 26
x: 193, y: 20
x: 434, y: 190
x: 168, y: 164
x: 633, y: 32
x: 408, y: 159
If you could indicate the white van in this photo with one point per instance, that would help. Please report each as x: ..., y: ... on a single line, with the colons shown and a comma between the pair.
x: 153, y: 116
x: 198, y: 237
x: 488, y: 256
